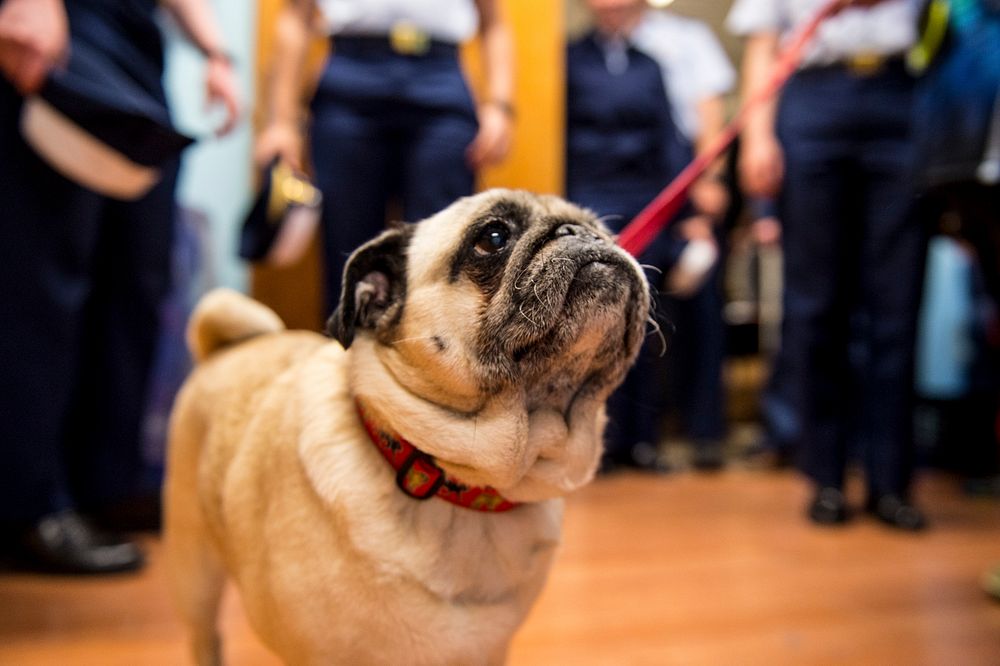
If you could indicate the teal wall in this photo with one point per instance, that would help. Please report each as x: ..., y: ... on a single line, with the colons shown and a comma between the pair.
x: 216, y: 173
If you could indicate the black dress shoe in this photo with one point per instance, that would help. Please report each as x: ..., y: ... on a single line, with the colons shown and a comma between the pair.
x: 66, y: 543
x: 829, y: 507
x: 896, y: 512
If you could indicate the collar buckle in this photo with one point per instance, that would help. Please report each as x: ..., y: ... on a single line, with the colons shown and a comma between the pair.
x: 418, y: 476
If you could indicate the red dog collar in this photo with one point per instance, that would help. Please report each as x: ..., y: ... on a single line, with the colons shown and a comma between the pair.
x: 418, y: 475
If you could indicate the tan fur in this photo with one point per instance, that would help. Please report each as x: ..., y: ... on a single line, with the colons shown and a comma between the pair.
x: 222, y: 318
x: 273, y: 481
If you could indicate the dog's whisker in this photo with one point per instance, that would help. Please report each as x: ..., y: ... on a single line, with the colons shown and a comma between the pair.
x: 651, y: 267
x: 537, y: 296
x: 517, y: 280
x: 521, y: 310
x: 657, y: 330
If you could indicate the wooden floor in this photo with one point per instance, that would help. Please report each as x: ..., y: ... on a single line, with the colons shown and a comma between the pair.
x: 682, y: 569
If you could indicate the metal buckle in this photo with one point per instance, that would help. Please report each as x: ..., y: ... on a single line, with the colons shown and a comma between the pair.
x: 419, y: 477
x: 866, y: 64
x: 407, y: 39
x: 289, y: 189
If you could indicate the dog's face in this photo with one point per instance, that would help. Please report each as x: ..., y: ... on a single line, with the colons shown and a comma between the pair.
x: 500, y: 289
x: 503, y: 292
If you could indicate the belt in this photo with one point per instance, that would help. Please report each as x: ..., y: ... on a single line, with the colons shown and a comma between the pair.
x: 864, y: 65
x: 403, y: 39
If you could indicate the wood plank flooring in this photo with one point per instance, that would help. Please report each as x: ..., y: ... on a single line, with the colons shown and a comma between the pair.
x: 681, y: 569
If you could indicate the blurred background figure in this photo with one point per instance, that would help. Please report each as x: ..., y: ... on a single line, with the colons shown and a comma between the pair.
x: 643, y: 89
x: 697, y: 77
x: 392, y: 120
x: 776, y: 447
x: 90, y: 269
x: 837, y: 151
x: 957, y: 133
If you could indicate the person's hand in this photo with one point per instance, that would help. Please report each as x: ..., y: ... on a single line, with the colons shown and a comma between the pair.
x: 710, y: 196
x: 34, y: 38
x: 282, y: 141
x: 766, y: 231
x: 492, y: 142
x: 697, y: 227
x: 762, y: 165
x: 221, y: 87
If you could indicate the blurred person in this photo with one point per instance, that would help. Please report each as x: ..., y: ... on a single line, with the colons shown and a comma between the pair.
x: 776, y: 447
x: 836, y: 149
x: 392, y: 118
x: 697, y: 76
x: 86, y: 274
x: 957, y: 126
x: 623, y: 146
x: 957, y: 133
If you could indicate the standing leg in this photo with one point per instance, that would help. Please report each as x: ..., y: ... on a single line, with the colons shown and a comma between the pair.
x: 122, y: 326
x: 695, y: 370
x: 48, y: 231
x: 194, y: 571
x: 48, y: 234
x: 352, y: 155
x: 435, y: 172
x: 819, y: 229
x: 895, y: 250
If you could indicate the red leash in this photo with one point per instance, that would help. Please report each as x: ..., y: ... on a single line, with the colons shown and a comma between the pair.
x: 640, y: 232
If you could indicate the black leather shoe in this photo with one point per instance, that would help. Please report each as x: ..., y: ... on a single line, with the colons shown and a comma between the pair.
x: 829, y: 507
x: 896, y: 512
x: 66, y: 543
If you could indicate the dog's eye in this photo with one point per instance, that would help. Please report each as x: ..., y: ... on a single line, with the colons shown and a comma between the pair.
x: 492, y: 239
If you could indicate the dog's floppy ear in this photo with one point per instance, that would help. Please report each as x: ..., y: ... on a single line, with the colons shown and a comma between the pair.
x: 374, y: 283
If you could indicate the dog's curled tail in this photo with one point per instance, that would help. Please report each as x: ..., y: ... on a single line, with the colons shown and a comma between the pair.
x: 224, y: 317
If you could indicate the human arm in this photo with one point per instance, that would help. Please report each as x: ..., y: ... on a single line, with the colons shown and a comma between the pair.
x: 196, y: 19
x: 496, y: 111
x: 34, y: 38
x: 761, y: 164
x: 282, y: 134
x: 709, y: 193
x: 765, y: 224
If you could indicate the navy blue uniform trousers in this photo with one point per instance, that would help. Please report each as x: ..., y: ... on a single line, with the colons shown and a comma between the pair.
x: 83, y: 279
x: 386, y: 128
x: 854, y: 253
x: 622, y: 148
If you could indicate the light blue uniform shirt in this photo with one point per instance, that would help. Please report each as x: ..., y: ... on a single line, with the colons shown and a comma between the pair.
x: 695, y: 66
x: 452, y: 21
x: 887, y: 28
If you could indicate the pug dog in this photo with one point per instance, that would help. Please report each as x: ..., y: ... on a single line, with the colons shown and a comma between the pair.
x: 393, y: 495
